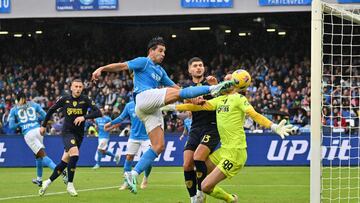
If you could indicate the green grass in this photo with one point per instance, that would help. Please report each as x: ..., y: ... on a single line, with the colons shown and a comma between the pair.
x: 166, y: 184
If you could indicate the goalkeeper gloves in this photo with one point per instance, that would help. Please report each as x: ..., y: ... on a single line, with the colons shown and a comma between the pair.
x: 282, y: 129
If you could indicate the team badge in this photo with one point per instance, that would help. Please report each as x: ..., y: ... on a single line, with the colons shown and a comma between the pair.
x: 74, y: 103
x: 189, y: 183
x: 199, y: 174
x: 72, y: 141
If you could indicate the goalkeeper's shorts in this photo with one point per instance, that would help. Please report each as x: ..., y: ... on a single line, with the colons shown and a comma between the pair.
x: 229, y: 160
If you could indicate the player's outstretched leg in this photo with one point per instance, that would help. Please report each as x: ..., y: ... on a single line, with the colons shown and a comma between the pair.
x: 127, y: 169
x: 201, y: 172
x: 214, y: 90
x: 99, y: 156
x: 39, y: 171
x: 48, y: 162
x: 56, y: 173
x: 71, y: 173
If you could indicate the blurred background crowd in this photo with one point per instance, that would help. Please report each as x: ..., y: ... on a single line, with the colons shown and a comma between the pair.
x: 43, y: 67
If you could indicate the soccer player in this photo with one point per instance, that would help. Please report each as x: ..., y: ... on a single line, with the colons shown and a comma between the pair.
x: 203, y: 137
x: 230, y: 158
x: 103, y: 139
x: 26, y: 115
x: 149, y: 76
x: 75, y: 109
x: 137, y: 141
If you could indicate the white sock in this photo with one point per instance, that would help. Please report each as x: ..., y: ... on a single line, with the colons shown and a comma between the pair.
x: 39, y: 178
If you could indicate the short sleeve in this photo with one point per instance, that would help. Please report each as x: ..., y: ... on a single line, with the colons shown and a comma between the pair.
x: 165, y: 80
x: 244, y: 104
x: 138, y: 63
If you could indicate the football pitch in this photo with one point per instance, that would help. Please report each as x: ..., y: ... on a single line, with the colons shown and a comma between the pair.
x: 166, y: 184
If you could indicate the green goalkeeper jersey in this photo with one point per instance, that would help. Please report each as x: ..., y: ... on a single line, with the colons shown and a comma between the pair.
x: 230, y: 118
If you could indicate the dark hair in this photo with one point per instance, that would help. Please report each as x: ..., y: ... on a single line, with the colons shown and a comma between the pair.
x: 20, y: 95
x: 154, y: 42
x: 194, y: 59
x: 76, y: 80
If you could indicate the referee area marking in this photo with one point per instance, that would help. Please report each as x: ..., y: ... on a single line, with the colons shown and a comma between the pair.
x: 150, y: 185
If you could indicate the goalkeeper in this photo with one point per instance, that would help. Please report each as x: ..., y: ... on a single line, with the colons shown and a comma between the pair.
x: 230, y: 158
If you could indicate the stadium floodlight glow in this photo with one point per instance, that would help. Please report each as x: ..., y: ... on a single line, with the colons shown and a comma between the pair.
x: 282, y: 33
x: 39, y: 32
x: 249, y: 33
x: 4, y: 32
x: 29, y: 35
x: 18, y: 35
x: 227, y: 31
x: 270, y: 30
x: 173, y: 36
x: 199, y: 28
x: 242, y: 34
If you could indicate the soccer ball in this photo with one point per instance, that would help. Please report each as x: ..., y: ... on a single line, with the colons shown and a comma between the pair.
x: 243, y: 78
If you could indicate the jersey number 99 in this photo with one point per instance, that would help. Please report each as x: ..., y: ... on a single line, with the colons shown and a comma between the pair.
x: 26, y: 115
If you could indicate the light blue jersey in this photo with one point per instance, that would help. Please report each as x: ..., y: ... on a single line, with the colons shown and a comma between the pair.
x: 187, y: 124
x: 148, y: 75
x: 138, y: 131
x: 26, y: 116
x: 100, y: 122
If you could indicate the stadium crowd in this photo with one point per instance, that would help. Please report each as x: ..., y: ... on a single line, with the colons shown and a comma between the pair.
x: 280, y: 86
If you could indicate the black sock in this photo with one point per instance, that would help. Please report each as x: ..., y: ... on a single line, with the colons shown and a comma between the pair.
x: 58, y: 170
x: 201, y: 172
x: 190, y: 182
x: 71, y: 168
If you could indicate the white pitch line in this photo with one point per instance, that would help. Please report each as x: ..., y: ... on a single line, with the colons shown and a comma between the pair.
x: 151, y: 185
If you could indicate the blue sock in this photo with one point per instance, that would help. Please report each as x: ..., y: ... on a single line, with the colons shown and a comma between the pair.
x: 100, y: 155
x: 109, y: 153
x: 147, y: 171
x: 48, y: 162
x: 127, y: 165
x: 191, y: 92
x: 39, y: 167
x: 145, y: 161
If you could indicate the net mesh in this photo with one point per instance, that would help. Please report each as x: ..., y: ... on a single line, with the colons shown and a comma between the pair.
x: 340, y: 179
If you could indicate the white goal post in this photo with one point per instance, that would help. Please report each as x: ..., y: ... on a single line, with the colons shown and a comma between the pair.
x: 335, y: 86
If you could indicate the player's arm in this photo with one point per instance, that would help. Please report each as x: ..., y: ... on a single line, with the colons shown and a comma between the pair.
x: 95, y: 111
x: 11, y: 119
x: 113, y: 67
x: 209, y: 105
x: 114, y: 123
x: 281, y: 129
x: 59, y: 103
x: 184, y: 133
x: 41, y: 112
x: 167, y: 82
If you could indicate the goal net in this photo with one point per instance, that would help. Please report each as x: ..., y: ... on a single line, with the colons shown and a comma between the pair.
x: 335, y: 131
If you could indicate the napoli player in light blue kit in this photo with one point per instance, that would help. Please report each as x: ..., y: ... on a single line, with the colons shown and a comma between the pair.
x: 149, y: 77
x: 103, y: 139
x: 27, y: 115
x: 138, y: 141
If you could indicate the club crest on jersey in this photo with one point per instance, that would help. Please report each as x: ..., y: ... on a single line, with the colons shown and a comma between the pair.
x: 189, y: 183
x: 74, y: 103
x: 72, y: 141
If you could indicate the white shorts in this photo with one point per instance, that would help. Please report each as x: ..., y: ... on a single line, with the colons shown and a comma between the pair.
x: 133, y: 146
x: 148, y: 104
x: 103, y: 143
x: 34, y: 140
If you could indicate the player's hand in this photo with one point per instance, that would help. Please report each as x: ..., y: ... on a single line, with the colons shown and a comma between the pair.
x: 42, y: 131
x: 282, y: 129
x: 96, y: 74
x: 211, y: 80
x: 79, y: 120
x: 107, y: 126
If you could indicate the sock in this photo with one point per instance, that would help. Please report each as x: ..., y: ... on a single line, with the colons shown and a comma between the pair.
x: 190, y: 182
x: 201, y: 172
x: 49, y: 162
x: 58, y: 170
x: 219, y: 193
x: 145, y: 161
x: 148, y: 171
x: 100, y: 155
x: 71, y: 168
x: 191, y: 92
x: 39, y: 168
x: 110, y: 154
x: 127, y: 165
